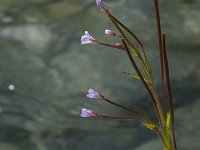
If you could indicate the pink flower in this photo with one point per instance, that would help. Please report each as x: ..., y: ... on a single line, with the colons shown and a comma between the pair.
x: 101, y: 5
x: 87, y: 113
x: 94, y: 95
x: 87, y: 39
x: 109, y: 32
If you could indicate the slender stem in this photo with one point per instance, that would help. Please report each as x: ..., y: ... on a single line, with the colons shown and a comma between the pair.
x: 110, y: 45
x: 145, y: 67
x: 154, y: 91
x: 118, y: 117
x: 127, y: 29
x: 126, y: 108
x: 121, y: 106
x: 169, y: 88
x: 163, y: 141
x: 115, y: 21
x: 132, y: 34
x: 120, y: 30
x: 160, y: 50
x: 155, y: 102
x: 135, y: 37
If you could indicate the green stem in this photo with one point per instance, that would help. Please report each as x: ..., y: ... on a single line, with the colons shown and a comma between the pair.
x: 162, y: 140
x: 154, y: 91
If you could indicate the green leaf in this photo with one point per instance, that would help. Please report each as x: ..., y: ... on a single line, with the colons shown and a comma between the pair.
x: 129, y: 31
x: 136, y: 76
x: 168, y: 124
x: 168, y: 120
x: 150, y: 126
x: 134, y: 52
x: 165, y: 148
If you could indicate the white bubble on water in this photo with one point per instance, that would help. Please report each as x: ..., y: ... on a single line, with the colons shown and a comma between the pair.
x: 11, y: 87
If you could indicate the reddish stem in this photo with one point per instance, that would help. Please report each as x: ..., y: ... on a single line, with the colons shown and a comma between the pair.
x: 169, y: 88
x: 161, y: 52
x: 110, y: 45
x: 144, y: 83
x: 119, y: 117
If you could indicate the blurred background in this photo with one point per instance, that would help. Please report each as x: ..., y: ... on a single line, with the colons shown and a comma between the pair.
x: 45, y: 74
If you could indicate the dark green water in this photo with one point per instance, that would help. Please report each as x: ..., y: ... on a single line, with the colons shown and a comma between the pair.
x: 41, y: 55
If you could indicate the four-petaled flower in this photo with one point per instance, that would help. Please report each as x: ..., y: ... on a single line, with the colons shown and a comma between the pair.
x: 87, y: 39
x: 101, y: 5
x: 109, y: 32
x: 87, y: 113
x: 94, y: 95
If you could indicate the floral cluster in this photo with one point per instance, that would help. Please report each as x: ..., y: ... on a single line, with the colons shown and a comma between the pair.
x: 92, y: 95
x: 139, y: 61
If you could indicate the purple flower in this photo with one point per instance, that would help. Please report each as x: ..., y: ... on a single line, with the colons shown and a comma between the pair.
x: 101, y: 5
x: 87, y: 113
x: 109, y: 32
x: 94, y: 95
x: 87, y: 39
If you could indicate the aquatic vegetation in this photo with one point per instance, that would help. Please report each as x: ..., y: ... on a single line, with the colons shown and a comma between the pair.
x: 164, y: 127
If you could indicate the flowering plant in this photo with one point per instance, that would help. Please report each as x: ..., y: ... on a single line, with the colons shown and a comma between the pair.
x: 164, y: 128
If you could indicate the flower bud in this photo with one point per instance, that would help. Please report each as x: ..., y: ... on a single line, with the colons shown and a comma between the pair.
x: 87, y: 113
x: 101, y: 5
x: 109, y: 32
x: 94, y: 95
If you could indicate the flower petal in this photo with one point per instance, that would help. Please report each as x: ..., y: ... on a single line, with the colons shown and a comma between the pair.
x: 87, y: 39
x: 94, y: 95
x: 101, y: 5
x: 87, y: 113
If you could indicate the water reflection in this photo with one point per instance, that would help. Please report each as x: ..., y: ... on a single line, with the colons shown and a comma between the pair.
x: 45, y: 73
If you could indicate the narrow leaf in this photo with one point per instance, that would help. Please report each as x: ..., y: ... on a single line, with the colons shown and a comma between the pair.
x: 150, y: 126
x: 168, y: 120
x: 136, y: 76
x: 134, y: 52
